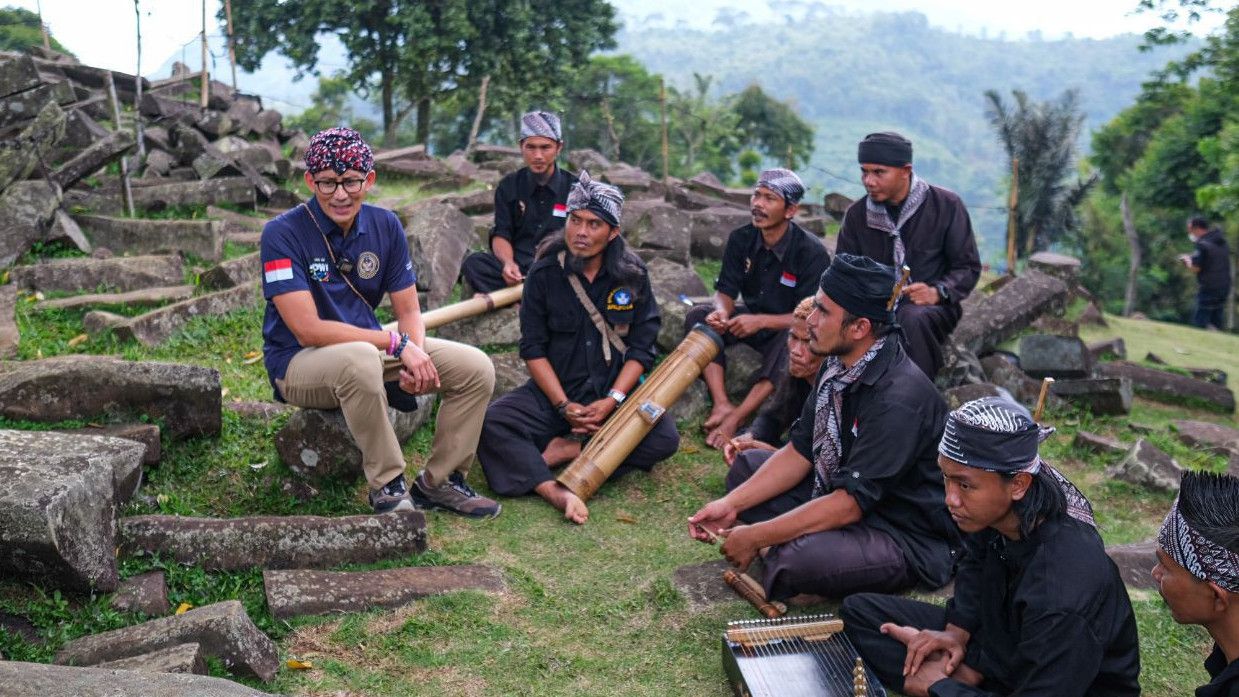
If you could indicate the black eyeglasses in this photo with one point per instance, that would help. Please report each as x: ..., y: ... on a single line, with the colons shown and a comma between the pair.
x: 327, y: 187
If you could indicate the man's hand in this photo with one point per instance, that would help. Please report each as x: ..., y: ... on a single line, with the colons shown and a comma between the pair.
x: 925, y: 644
x: 705, y: 524
x: 918, y: 684
x: 419, y: 375
x: 512, y: 273
x: 717, y: 321
x: 922, y: 294
x: 742, y: 442
x: 742, y: 545
x: 742, y: 326
x: 593, y: 415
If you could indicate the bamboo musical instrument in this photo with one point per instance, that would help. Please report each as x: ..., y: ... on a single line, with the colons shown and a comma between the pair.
x: 805, y: 655
x: 611, y: 445
x: 904, y: 274
x: 1045, y: 392
x: 749, y: 589
x: 433, y: 319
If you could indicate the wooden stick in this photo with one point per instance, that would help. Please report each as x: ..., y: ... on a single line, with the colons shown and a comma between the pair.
x: 1045, y: 392
x: 433, y: 319
x: 751, y: 590
x: 904, y: 273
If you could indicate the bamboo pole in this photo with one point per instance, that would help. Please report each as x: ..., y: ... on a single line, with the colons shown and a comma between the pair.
x: 662, y: 113
x: 1045, y: 392
x: 232, y: 47
x: 205, y: 98
x: 137, y: 83
x: 125, y: 191
x: 433, y: 319
x: 1013, y: 215
x: 47, y: 42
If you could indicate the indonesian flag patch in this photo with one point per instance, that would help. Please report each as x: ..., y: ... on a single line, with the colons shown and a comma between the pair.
x: 560, y: 210
x: 278, y: 270
x: 789, y: 279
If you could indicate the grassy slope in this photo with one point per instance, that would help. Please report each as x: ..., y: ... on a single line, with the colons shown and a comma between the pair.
x: 590, y: 610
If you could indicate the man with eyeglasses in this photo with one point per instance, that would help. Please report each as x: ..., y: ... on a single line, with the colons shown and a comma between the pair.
x: 326, y: 265
x: 530, y: 204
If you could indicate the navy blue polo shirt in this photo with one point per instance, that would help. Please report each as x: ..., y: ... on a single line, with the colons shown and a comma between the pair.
x: 295, y: 257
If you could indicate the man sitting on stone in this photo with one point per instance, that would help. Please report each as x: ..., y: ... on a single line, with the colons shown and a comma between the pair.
x: 875, y: 518
x: 1197, y: 571
x: 529, y: 206
x: 769, y: 266
x: 1039, y: 608
x: 588, y: 325
x: 326, y: 266
x: 746, y: 452
x: 902, y: 220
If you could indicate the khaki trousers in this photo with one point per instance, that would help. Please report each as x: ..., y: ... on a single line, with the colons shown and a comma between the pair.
x: 350, y: 377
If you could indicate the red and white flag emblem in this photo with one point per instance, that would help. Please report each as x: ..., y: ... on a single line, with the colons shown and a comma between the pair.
x: 278, y: 270
x: 560, y: 210
x: 789, y: 279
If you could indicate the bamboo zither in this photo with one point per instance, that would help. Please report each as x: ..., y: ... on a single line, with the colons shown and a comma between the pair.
x: 438, y: 317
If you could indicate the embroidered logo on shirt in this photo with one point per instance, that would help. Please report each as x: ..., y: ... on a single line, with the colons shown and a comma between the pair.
x: 620, y: 300
x: 560, y: 210
x: 278, y: 270
x: 318, y: 270
x: 368, y: 265
x: 748, y: 264
x: 788, y: 279
x: 855, y: 427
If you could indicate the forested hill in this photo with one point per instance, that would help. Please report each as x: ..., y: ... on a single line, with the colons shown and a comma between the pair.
x: 853, y: 74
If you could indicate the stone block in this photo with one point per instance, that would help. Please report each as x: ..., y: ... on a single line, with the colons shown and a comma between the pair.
x: 101, y: 322
x: 446, y: 237
x: 1007, y: 375
x: 588, y: 159
x: 28, y: 209
x: 185, y: 398
x: 241, y: 271
x: 480, y: 202
x: 146, y: 434
x: 1101, y: 396
x: 263, y: 411
x: 1135, y: 562
x: 88, y: 275
x: 1161, y: 385
x: 961, y: 394
x: 147, y: 297
x: 202, y: 238
x: 1092, y: 315
x: 671, y: 284
x: 24, y: 106
x: 17, y: 74
x: 661, y: 228
x: 989, y: 321
x: 743, y: 362
x: 145, y: 593
x: 223, y: 630
x: 63, y: 681
x: 1148, y: 466
x: 1097, y: 443
x: 629, y: 179
x: 10, y: 336
x: 693, y: 405
x: 316, y: 443
x: 1061, y: 266
x: 182, y: 658
x: 485, y: 152
x: 1214, y: 438
x: 158, y: 196
x: 711, y: 228
x: 108, y: 149
x: 275, y: 542
x: 66, y: 230
x: 1109, y: 348
x: 154, y: 327
x: 297, y: 593
x: 500, y: 326
x: 411, y: 152
x: 510, y: 373
x: 43, y: 134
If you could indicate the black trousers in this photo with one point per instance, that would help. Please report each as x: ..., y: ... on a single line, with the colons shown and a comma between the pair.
x: 770, y: 344
x: 484, y: 272
x: 864, y: 613
x: 833, y: 563
x: 925, y: 329
x: 518, y: 427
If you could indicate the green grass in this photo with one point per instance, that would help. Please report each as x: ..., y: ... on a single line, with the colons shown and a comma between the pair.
x: 588, y: 610
x: 1179, y: 345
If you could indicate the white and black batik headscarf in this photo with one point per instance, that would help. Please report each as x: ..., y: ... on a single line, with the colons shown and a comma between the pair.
x: 783, y: 182
x: 603, y: 200
x: 1201, y: 532
x: 996, y: 434
x: 541, y: 123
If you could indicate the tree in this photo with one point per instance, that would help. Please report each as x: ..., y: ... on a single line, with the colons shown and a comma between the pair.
x: 20, y: 31
x: 1042, y: 135
x: 773, y: 127
x: 330, y: 107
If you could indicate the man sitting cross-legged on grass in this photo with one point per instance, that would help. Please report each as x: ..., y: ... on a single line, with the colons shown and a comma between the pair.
x: 1197, y: 571
x: 1039, y: 609
x: 588, y: 325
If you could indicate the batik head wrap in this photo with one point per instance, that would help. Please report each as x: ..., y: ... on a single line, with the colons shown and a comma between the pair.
x: 603, y: 200
x: 783, y: 182
x: 888, y: 148
x: 338, y: 149
x: 996, y: 434
x: 1201, y: 532
x: 541, y: 123
x: 860, y: 285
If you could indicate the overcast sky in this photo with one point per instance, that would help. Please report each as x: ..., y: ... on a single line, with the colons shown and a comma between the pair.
x: 101, y: 32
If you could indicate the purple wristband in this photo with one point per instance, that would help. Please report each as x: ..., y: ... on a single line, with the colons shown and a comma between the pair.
x: 391, y: 345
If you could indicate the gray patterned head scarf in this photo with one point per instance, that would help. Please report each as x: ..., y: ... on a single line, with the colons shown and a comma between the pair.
x: 996, y: 434
x: 541, y: 123
x: 602, y: 200
x: 783, y: 182
x: 1201, y: 531
x: 827, y: 441
x: 878, y: 218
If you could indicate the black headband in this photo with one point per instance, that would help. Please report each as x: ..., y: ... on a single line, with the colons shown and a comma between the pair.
x: 887, y: 148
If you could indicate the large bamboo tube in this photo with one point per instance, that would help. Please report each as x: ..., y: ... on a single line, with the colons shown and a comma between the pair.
x: 617, y: 438
x: 433, y: 319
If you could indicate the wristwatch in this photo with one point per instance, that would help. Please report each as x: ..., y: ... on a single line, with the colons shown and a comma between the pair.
x: 944, y: 295
x: 618, y: 396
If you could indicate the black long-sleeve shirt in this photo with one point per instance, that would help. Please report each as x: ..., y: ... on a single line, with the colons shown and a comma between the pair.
x: 771, y: 281
x: 780, y: 411
x: 1225, y: 682
x: 555, y: 326
x: 526, y: 211
x: 938, y: 242
x: 890, y: 425
x: 1048, y: 614
x: 1212, y: 257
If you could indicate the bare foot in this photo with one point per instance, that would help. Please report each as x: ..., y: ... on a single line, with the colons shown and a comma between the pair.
x: 560, y: 451
x: 717, y: 414
x: 561, y: 497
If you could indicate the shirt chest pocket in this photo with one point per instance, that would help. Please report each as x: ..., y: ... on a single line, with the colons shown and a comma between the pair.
x: 562, y: 321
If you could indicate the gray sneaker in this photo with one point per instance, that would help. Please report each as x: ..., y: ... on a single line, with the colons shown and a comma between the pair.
x: 393, y: 496
x: 453, y: 495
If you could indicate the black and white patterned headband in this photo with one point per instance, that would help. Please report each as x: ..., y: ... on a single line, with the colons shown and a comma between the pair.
x: 1206, y: 508
x: 783, y: 182
x: 602, y: 200
x: 541, y: 123
x: 993, y: 434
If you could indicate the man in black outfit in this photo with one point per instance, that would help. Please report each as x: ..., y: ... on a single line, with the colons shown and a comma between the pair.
x: 1039, y: 609
x: 902, y: 220
x: 875, y: 519
x: 1197, y: 571
x: 529, y: 205
x: 588, y: 326
x: 768, y: 267
x: 1211, y: 264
